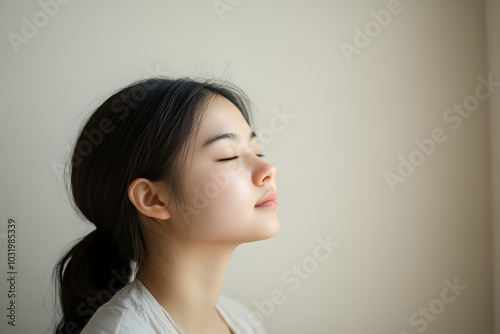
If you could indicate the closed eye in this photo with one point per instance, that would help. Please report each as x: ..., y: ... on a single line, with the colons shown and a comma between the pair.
x: 227, y: 159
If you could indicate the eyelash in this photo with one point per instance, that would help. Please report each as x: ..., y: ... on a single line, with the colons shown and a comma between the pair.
x: 259, y: 155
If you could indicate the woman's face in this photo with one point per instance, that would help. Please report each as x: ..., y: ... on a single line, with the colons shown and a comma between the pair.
x: 222, y: 194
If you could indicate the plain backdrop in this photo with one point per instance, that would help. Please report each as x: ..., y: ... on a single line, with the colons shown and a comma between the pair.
x: 364, y: 85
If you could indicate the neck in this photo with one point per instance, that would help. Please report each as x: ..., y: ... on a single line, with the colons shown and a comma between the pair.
x: 188, y: 283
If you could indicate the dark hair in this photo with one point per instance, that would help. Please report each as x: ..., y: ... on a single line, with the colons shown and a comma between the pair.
x: 143, y: 130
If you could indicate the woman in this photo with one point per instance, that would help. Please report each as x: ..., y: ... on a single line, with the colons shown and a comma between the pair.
x: 171, y: 175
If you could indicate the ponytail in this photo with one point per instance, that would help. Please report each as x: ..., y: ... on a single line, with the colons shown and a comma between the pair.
x: 89, y: 275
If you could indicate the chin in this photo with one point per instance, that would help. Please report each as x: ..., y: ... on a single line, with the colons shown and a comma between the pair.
x: 268, y: 231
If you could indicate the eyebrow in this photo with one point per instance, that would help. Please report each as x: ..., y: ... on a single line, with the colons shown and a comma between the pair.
x: 226, y: 135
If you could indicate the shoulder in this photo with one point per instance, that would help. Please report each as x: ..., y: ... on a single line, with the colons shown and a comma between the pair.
x: 244, y: 319
x: 124, y: 313
x: 113, y: 319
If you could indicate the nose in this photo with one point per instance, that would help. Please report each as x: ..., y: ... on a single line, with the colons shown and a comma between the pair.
x: 264, y: 172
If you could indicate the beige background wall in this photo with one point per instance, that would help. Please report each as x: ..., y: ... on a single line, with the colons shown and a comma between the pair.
x: 355, y: 118
x: 493, y: 34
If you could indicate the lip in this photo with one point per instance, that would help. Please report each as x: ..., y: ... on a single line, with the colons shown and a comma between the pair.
x: 268, y: 201
x: 268, y: 204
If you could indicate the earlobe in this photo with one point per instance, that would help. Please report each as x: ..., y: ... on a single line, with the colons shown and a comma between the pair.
x: 147, y: 199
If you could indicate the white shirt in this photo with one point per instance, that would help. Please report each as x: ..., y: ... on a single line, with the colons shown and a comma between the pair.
x: 134, y: 310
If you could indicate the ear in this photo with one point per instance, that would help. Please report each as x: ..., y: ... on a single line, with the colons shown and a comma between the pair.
x: 148, y: 198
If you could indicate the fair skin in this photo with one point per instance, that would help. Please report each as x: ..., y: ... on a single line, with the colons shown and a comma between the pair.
x: 189, y: 256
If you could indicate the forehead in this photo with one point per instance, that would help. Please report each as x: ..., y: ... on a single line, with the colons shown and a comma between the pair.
x: 220, y: 116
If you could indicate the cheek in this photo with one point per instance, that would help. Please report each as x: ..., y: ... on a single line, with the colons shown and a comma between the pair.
x: 233, y: 201
x: 222, y: 199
